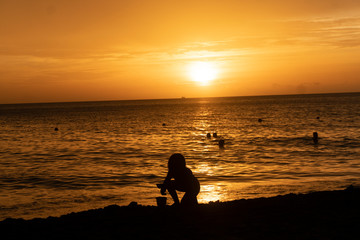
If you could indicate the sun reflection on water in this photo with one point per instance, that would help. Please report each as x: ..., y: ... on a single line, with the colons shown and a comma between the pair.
x: 204, y: 168
x: 211, y: 193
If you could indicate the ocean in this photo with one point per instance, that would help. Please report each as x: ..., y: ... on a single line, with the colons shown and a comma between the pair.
x: 57, y: 158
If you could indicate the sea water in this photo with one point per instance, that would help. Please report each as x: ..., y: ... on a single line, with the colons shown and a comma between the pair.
x: 57, y: 158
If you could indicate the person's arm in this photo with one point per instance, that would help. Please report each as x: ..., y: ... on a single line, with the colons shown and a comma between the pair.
x: 168, y: 178
x: 166, y: 182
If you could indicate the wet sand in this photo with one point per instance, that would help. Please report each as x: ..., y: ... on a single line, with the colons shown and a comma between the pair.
x: 318, y: 215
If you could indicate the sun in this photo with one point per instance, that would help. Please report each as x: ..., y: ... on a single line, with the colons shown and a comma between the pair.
x: 203, y: 72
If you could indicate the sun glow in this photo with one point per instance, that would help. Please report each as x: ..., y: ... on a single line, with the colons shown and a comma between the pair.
x: 203, y: 72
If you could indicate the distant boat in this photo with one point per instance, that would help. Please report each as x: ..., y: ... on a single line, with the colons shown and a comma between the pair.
x: 183, y: 97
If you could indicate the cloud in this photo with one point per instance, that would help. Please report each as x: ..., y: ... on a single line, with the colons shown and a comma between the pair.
x: 335, y: 32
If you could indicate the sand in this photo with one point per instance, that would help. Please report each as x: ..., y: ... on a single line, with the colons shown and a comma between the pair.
x: 318, y: 215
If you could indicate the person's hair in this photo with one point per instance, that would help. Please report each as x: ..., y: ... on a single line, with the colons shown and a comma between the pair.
x: 176, y: 161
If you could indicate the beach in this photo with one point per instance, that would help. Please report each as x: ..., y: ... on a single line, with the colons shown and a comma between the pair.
x: 138, y: 119
x: 316, y: 215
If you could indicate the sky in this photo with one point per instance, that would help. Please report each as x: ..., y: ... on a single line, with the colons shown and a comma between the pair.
x: 72, y: 50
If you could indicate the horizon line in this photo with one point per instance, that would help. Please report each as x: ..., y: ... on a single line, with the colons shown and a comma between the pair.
x: 176, y: 98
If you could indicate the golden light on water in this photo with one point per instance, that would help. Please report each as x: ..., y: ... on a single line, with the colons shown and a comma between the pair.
x: 203, y: 72
x: 210, y: 193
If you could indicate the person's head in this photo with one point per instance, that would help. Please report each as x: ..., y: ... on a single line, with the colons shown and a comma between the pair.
x: 176, y: 161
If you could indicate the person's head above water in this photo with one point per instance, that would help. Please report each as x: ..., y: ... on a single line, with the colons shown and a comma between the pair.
x: 176, y: 161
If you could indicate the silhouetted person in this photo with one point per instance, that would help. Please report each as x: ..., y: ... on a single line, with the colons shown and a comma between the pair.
x: 221, y: 143
x: 184, y: 181
x: 208, y: 135
x: 315, y: 137
x: 215, y: 135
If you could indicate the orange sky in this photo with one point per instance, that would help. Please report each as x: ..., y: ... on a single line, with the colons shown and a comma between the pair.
x: 72, y: 50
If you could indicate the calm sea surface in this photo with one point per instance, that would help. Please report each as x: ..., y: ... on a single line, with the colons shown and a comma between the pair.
x: 115, y: 152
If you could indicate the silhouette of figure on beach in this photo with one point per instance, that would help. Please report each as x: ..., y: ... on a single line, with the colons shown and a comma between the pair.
x: 184, y: 181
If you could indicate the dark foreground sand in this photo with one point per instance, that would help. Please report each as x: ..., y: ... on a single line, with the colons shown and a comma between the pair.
x: 318, y: 215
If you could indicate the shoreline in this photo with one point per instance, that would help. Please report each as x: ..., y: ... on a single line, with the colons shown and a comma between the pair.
x: 316, y: 215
